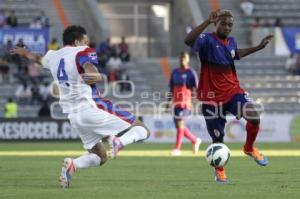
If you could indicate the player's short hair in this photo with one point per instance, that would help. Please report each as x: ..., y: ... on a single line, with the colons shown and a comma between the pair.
x: 226, y: 13
x: 73, y: 33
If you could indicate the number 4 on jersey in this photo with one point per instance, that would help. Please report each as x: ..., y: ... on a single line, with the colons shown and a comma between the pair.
x: 61, y: 73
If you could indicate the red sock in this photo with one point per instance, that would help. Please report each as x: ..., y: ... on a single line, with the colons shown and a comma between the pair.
x: 252, y: 131
x: 180, y: 134
x: 189, y: 135
x: 219, y: 168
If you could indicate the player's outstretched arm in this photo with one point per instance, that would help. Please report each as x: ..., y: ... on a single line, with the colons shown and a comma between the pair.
x: 26, y: 53
x: 247, y: 51
x: 91, y: 74
x: 193, y: 35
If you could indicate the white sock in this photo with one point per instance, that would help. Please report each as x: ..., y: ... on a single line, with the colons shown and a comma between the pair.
x: 135, y: 134
x: 86, y: 161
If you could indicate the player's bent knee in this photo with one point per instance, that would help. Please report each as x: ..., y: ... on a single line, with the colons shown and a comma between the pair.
x: 103, y: 157
x: 100, y: 151
x: 148, y: 132
x: 103, y: 160
x: 253, y: 117
x: 144, y: 131
x: 139, y: 123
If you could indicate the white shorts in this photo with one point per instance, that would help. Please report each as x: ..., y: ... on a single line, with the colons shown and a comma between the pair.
x: 93, y: 124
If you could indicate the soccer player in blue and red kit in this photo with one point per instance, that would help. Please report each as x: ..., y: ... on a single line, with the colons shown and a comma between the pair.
x: 219, y: 88
x: 182, y: 82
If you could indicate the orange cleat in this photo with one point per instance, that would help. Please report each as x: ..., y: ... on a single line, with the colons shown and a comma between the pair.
x: 220, y: 176
x: 259, y: 158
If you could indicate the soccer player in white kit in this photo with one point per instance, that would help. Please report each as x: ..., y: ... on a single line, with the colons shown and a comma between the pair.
x: 74, y: 69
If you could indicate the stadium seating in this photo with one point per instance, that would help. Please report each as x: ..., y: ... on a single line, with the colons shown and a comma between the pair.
x: 263, y: 76
x: 25, y: 10
x: 269, y: 10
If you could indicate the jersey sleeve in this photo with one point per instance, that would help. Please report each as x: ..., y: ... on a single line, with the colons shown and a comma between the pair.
x: 201, y: 43
x: 88, y: 55
x: 46, y: 59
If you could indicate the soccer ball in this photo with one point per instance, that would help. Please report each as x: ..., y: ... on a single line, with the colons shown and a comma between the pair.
x: 217, y: 154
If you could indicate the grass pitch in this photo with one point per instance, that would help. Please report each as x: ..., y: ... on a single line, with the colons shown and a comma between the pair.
x: 146, y: 171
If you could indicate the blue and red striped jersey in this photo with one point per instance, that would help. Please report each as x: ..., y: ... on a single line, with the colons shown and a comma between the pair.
x: 181, y: 84
x: 218, y: 80
x: 87, y: 55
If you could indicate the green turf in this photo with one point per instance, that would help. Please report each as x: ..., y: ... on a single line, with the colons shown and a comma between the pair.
x: 147, y: 177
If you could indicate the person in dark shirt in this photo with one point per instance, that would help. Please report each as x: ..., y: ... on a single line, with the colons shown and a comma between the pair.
x: 12, y: 19
x: 219, y: 88
x: 182, y: 83
x: 44, y: 110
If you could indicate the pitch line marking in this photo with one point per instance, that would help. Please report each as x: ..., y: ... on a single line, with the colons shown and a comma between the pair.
x: 144, y: 153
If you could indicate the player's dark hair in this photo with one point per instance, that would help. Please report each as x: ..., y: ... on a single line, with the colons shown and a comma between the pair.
x: 73, y: 33
x: 226, y: 13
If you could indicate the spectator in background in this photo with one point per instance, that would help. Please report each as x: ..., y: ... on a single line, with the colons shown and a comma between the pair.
x: 35, y: 94
x: 53, y: 45
x: 44, y: 20
x: 278, y: 22
x: 12, y: 20
x: 6, y: 53
x: 22, y: 63
x: 10, y: 109
x: 8, y: 46
x: 2, y: 19
x: 114, y: 65
x: 114, y: 62
x: 4, y: 70
x: 124, y: 50
x: 23, y: 93
x: 21, y: 43
x: 45, y: 92
x: 104, y: 52
x: 104, y: 47
x: 247, y: 7
x: 124, y: 77
x: 44, y: 111
x: 35, y: 24
x: 256, y: 23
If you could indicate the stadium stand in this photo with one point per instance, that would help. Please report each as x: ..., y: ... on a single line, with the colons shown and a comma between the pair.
x: 270, y: 10
x: 25, y: 10
x: 263, y: 75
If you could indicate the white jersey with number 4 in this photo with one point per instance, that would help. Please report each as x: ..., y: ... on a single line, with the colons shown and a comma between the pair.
x: 92, y: 116
x: 66, y: 66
